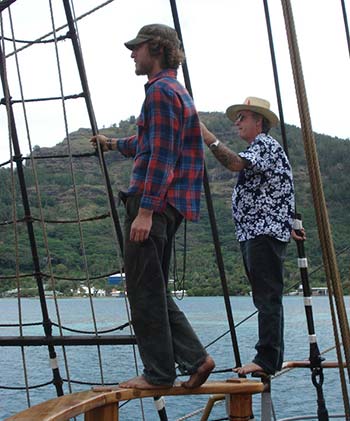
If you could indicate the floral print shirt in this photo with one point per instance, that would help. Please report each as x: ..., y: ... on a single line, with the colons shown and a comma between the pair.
x: 263, y: 198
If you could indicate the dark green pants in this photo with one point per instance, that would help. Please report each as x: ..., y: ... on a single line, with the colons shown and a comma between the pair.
x: 164, y: 335
x: 263, y: 258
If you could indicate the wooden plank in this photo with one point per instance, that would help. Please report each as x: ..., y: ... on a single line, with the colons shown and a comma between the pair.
x: 240, y: 407
x: 62, y: 408
x: 104, y: 413
x: 69, y: 406
x: 306, y: 364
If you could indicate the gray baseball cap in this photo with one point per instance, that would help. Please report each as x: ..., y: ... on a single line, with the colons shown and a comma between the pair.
x: 149, y: 32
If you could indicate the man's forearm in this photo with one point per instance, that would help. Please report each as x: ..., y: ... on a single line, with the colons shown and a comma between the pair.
x: 222, y: 153
x: 229, y: 159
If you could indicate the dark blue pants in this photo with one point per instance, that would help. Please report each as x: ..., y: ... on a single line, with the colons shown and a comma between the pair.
x: 263, y: 258
x: 164, y: 335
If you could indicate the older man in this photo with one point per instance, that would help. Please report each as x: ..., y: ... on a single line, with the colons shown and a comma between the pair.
x: 262, y: 207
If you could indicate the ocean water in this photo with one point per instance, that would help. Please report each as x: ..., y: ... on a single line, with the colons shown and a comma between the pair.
x: 292, y: 393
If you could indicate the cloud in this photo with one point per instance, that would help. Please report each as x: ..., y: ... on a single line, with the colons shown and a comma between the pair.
x: 227, y: 53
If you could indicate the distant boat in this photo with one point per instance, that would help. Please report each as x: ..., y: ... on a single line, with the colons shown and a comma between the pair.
x: 117, y: 293
x: 322, y: 291
x: 179, y: 292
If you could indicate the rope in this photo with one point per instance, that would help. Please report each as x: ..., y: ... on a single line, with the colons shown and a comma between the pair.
x: 14, y: 214
x: 37, y: 386
x: 58, y: 379
x: 314, y: 350
x: 99, y: 332
x: 60, y: 27
x: 81, y: 155
x: 52, y: 98
x: 20, y: 41
x: 43, y: 274
x: 31, y: 235
x: 78, y: 221
x: 118, y: 237
x: 20, y: 325
x: 346, y: 26
x: 58, y: 221
x: 75, y: 192
x: 333, y: 277
x: 191, y: 414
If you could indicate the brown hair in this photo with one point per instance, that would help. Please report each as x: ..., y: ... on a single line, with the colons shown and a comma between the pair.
x: 166, y: 42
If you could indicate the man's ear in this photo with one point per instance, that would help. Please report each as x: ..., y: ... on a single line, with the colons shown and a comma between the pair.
x: 155, y: 48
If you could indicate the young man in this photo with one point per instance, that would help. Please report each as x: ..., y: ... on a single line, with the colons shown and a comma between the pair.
x: 165, y: 187
x: 263, y: 208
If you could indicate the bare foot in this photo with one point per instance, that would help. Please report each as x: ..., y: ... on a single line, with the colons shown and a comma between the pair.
x: 140, y: 382
x: 201, y: 375
x: 248, y: 368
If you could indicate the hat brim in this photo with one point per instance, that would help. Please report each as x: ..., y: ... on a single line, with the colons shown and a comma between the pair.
x: 140, y: 39
x: 233, y: 110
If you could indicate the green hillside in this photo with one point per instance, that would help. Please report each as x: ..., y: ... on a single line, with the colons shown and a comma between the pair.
x: 75, y: 190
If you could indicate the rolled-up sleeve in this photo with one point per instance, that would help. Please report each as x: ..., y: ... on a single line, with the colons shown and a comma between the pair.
x: 127, y: 146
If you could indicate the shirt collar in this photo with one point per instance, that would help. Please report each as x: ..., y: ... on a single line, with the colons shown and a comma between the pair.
x: 164, y: 73
x: 260, y: 136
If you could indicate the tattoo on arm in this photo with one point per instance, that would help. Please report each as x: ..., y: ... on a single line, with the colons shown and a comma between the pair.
x: 228, y: 158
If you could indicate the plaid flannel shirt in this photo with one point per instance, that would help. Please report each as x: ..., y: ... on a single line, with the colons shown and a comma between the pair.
x: 168, y: 149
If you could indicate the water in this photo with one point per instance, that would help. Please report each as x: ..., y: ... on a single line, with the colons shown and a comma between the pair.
x: 292, y: 393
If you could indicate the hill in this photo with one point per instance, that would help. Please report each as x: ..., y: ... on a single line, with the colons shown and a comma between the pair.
x: 73, y: 190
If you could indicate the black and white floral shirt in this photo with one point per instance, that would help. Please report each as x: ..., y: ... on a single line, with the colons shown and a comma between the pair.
x: 263, y: 199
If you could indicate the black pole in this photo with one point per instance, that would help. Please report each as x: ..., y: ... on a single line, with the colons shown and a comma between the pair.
x: 275, y: 75
x: 346, y: 24
x: 5, y: 3
x: 47, y: 324
x: 90, y: 110
x: 211, y: 213
x: 79, y: 57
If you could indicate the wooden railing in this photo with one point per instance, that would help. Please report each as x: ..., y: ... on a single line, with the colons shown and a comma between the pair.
x: 102, y: 403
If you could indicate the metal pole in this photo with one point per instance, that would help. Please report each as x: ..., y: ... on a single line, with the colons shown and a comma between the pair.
x: 47, y: 324
x: 211, y: 213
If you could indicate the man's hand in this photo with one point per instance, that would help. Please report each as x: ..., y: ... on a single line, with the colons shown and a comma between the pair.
x: 207, y: 135
x: 102, y: 140
x: 141, y: 226
x: 299, y: 235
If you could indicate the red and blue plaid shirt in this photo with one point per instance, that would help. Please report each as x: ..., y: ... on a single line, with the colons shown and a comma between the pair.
x: 168, y: 149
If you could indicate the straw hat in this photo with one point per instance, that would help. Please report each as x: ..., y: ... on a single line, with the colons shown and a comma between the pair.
x: 257, y: 105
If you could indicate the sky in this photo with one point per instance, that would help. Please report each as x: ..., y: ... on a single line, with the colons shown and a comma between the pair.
x: 227, y: 52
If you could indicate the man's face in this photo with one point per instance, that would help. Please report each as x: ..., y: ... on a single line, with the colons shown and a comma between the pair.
x: 248, y: 126
x: 144, y: 62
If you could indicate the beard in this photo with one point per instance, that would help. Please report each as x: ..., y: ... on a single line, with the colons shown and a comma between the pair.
x: 144, y: 68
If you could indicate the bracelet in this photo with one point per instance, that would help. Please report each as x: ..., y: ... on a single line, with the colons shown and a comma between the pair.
x: 109, y: 144
x: 214, y: 145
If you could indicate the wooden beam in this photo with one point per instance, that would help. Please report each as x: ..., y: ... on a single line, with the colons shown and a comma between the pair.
x: 88, y: 402
x: 306, y: 364
x: 104, y: 413
x: 240, y: 407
